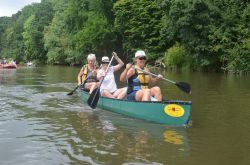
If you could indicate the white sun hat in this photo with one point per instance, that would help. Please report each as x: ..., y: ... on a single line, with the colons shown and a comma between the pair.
x: 105, y: 59
x: 140, y: 53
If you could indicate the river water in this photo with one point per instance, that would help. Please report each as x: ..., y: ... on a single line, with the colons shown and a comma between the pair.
x: 40, y: 124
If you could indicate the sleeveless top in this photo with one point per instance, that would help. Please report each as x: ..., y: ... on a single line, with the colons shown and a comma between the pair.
x: 139, y: 80
x: 90, y: 75
x: 109, y: 83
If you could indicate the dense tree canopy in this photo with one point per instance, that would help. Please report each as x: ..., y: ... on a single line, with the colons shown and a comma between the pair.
x: 206, y: 34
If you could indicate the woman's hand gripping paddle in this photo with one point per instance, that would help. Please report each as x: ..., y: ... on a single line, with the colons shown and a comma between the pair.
x: 185, y: 87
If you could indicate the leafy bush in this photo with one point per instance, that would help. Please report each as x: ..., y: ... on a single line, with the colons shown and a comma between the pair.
x: 239, y: 57
x: 175, y: 56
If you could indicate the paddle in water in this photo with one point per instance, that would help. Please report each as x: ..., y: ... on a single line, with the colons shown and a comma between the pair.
x: 94, y: 96
x: 71, y: 93
x: 185, y: 87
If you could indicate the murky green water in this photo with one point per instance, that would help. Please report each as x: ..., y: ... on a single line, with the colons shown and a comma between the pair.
x: 40, y: 124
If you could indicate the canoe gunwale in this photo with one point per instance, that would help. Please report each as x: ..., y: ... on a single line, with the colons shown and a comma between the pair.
x: 183, y: 102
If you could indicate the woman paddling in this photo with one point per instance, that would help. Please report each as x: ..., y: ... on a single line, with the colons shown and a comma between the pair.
x: 87, y: 75
x: 108, y: 87
x: 138, y: 81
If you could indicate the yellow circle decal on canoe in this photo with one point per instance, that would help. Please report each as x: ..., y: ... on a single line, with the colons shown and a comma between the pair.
x: 174, y: 110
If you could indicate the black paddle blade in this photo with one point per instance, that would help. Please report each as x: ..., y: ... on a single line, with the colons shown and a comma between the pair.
x: 184, y: 87
x: 94, y: 98
x: 71, y: 93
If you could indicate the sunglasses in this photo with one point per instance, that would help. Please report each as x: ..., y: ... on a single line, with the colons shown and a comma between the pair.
x: 142, y: 58
x: 105, y: 62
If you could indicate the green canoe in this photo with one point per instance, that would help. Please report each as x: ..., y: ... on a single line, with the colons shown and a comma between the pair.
x: 165, y: 112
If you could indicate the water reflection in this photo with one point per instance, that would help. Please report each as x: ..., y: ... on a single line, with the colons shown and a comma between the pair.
x: 7, y: 76
x: 134, y: 140
x: 173, y: 137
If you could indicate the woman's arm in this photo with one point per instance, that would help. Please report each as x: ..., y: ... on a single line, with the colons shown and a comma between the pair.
x: 130, y: 72
x: 154, y: 80
x: 123, y: 76
x: 79, y: 77
x: 100, y: 74
x: 120, y: 62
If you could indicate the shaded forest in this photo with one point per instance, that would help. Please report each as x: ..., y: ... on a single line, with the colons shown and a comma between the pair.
x: 210, y: 35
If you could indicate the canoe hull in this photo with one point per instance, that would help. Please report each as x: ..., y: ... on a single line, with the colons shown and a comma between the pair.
x: 167, y: 112
x: 8, y: 66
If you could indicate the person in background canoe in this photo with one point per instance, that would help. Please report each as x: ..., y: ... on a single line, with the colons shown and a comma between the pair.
x: 108, y: 87
x: 4, y: 61
x: 87, y: 76
x: 138, y: 82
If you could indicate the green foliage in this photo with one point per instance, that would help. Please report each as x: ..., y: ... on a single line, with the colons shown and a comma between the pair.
x: 209, y: 30
x: 239, y: 57
x: 138, y: 23
x: 211, y: 34
x: 34, y: 31
x: 31, y: 36
x: 93, y: 35
x: 13, y: 43
x: 57, y: 39
x: 176, y: 56
x: 189, y: 22
x: 4, y: 23
x: 78, y: 28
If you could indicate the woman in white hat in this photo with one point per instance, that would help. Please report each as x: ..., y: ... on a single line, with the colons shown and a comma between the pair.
x: 87, y: 76
x: 138, y: 81
x: 108, y: 87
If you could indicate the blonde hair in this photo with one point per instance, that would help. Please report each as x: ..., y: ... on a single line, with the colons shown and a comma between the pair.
x: 91, y: 57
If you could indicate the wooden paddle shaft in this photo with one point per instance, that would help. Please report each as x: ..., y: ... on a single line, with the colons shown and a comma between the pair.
x: 109, y: 64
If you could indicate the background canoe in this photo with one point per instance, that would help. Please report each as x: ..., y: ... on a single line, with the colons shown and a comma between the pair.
x: 166, y: 112
x: 8, y: 66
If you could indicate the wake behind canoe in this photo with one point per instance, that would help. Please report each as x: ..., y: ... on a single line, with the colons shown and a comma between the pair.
x: 165, y: 112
